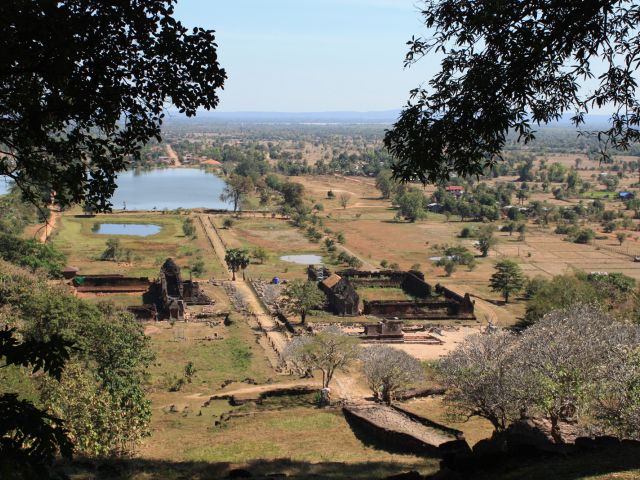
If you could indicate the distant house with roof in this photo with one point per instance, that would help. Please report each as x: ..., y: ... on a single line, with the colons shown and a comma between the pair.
x: 457, y: 190
x: 211, y: 162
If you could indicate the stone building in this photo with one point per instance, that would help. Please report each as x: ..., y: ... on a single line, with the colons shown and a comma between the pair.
x: 342, y: 297
x: 385, y: 330
x: 175, y: 293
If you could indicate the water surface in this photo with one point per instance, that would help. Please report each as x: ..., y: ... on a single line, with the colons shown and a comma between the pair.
x: 5, y: 184
x: 170, y: 189
x: 135, y: 229
x: 302, y: 259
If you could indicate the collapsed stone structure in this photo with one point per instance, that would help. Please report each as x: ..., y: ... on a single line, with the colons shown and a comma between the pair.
x: 429, y: 303
x: 110, y: 284
x: 166, y: 297
x: 395, y: 331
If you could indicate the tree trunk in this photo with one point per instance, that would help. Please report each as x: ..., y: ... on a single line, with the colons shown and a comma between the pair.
x: 506, y: 296
x: 555, y: 430
x: 233, y: 275
x: 303, y: 317
x: 327, y: 377
x: 386, y: 396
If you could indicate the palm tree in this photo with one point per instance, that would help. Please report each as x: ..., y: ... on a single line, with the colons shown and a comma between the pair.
x: 236, y: 259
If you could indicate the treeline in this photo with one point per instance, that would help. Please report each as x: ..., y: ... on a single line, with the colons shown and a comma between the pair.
x: 358, y: 150
x: 508, y: 200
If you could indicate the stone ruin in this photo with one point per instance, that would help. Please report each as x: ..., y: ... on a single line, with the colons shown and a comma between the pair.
x: 429, y: 303
x: 393, y: 331
x: 164, y: 298
x: 172, y: 293
x: 341, y: 295
x: 110, y: 284
x: 388, y: 330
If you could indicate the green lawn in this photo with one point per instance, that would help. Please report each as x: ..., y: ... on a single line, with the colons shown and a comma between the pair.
x: 234, y: 357
x: 83, y: 247
x: 277, y: 237
x: 600, y: 194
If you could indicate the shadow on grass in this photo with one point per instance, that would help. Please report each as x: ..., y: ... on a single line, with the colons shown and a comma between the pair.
x: 376, y: 441
x: 139, y: 469
x: 620, y: 462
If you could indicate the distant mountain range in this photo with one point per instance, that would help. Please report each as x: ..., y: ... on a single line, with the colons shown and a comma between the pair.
x: 347, y: 117
x: 385, y: 117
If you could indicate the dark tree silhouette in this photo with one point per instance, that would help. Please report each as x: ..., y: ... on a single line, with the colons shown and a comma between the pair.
x: 509, y: 66
x: 30, y: 437
x: 84, y: 84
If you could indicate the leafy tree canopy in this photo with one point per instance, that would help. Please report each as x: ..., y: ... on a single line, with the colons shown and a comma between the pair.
x: 509, y: 66
x: 301, y: 297
x: 507, y: 279
x: 236, y: 259
x: 95, y: 391
x: 32, y: 254
x: 84, y: 86
x: 614, y: 292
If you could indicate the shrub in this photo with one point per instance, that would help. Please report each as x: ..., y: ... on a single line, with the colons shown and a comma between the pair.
x: 466, y: 232
x: 188, y: 228
x: 198, y: 268
x: 354, y: 262
x: 585, y: 235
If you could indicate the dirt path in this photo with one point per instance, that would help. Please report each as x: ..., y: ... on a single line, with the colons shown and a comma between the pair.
x: 173, y: 155
x: 272, y: 328
x: 345, y: 385
x: 354, y: 180
x: 252, y: 391
x: 365, y: 265
x: 215, y: 241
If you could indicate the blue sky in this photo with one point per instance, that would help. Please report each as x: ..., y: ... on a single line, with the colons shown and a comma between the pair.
x: 312, y: 55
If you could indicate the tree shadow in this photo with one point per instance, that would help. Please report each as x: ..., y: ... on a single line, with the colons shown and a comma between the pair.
x: 611, y: 460
x: 378, y: 442
x: 134, y: 468
x: 603, y: 461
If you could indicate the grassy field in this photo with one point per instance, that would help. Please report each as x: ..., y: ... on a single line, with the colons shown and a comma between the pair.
x: 83, y: 247
x: 293, y: 438
x: 277, y: 237
x: 376, y: 293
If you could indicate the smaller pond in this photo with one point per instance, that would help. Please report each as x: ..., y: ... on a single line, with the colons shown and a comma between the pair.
x: 437, y: 259
x: 302, y: 259
x: 134, y: 229
x: 5, y: 185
